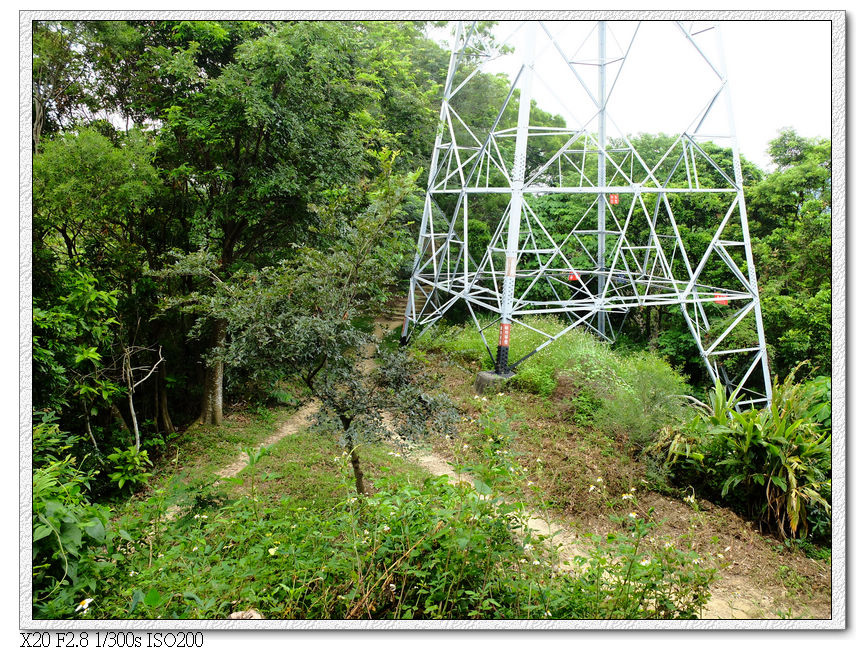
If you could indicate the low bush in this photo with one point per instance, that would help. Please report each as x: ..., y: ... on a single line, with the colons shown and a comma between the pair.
x: 773, y: 464
x: 629, y: 396
x: 648, y: 396
x: 67, y: 528
x: 432, y: 551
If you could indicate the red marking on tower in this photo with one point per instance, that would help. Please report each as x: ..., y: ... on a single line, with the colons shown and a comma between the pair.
x: 614, y: 199
x: 721, y: 298
x: 505, y: 335
x: 573, y: 277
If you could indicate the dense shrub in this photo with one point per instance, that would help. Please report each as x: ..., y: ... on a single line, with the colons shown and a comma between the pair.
x: 67, y: 527
x: 774, y: 464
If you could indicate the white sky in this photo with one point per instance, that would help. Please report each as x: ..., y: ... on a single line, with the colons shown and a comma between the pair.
x: 779, y: 74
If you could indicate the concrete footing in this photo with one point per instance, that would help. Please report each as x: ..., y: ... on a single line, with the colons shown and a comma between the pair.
x: 487, y: 381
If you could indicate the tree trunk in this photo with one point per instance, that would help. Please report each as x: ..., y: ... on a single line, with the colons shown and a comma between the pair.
x: 164, y: 415
x: 119, y: 417
x: 211, y: 402
x: 38, y: 121
x: 359, y: 483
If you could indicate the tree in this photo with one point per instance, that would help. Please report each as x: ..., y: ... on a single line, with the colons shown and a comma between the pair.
x: 292, y: 115
x: 304, y: 316
x: 793, y: 214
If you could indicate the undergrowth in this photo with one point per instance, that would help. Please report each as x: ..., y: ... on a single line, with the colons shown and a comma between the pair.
x: 628, y: 396
x: 411, y: 550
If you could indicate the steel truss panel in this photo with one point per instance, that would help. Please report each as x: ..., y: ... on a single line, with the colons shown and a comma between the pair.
x: 616, y: 244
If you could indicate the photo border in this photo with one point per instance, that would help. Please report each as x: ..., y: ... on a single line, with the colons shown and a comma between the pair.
x: 839, y: 349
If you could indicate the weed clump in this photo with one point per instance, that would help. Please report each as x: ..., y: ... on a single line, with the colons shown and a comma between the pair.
x: 630, y: 397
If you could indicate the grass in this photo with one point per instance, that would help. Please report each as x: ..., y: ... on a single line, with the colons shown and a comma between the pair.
x: 289, y: 537
x: 418, y: 548
x: 584, y: 408
x: 201, y: 449
x: 581, y: 439
x: 303, y: 468
x: 631, y: 396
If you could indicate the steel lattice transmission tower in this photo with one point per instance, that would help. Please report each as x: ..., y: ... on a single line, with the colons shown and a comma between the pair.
x: 579, y: 218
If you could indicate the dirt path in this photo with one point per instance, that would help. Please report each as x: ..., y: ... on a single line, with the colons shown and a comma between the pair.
x: 301, y: 419
x: 732, y: 597
x: 567, y: 543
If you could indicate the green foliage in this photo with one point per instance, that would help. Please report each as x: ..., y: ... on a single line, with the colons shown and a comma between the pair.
x: 70, y: 339
x: 67, y: 527
x: 129, y: 466
x: 433, y: 551
x: 792, y: 214
x: 774, y: 463
x: 629, y: 395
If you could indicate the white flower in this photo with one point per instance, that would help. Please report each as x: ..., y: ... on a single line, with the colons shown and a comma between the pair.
x: 627, y: 496
x: 599, y: 480
x: 537, y: 460
x: 645, y: 562
x: 194, y: 548
x: 272, y: 551
x: 720, y: 555
x: 697, y: 561
x: 132, y: 573
x: 530, y: 483
x: 476, y: 397
x: 500, y: 394
x: 528, y: 548
x: 668, y: 545
x: 536, y: 562
x: 633, y: 489
x: 632, y: 515
x: 83, y: 605
x: 386, y: 528
x: 465, y: 447
x: 591, y: 488
x: 483, y: 399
